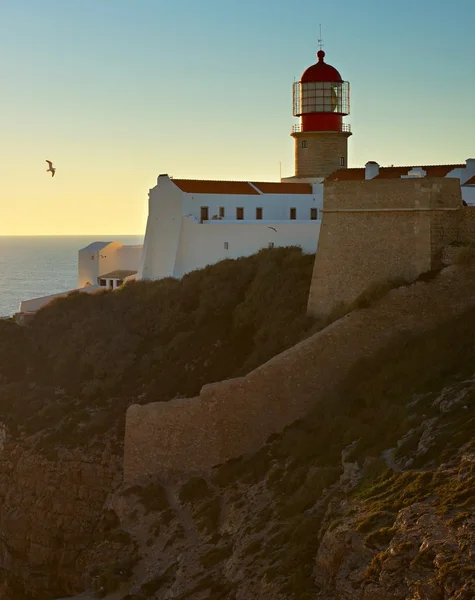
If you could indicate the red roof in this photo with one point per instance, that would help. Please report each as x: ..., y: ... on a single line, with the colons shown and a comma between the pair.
x: 320, y: 71
x: 202, y: 186
x: 283, y: 188
x: 471, y: 181
x: 358, y: 174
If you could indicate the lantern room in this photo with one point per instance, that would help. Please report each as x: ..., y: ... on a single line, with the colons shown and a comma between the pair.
x: 321, y: 98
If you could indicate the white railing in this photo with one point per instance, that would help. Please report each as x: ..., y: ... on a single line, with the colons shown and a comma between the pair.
x: 344, y: 127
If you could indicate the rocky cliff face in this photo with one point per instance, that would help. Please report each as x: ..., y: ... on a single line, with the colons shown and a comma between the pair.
x: 315, y: 513
x: 370, y: 496
x: 51, y: 514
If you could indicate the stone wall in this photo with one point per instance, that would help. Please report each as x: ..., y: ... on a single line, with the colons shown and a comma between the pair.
x: 234, y: 417
x: 380, y: 230
x: 322, y: 154
x: 467, y: 225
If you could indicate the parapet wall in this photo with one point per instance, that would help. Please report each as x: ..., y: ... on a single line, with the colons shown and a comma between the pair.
x: 467, y: 225
x: 235, y: 417
x: 380, y: 230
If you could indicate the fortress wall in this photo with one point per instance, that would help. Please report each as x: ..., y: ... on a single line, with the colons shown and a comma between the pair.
x: 445, y: 229
x: 236, y: 416
x: 380, y: 230
x: 467, y: 224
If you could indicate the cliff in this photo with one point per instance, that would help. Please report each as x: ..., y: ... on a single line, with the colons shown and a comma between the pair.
x: 66, y: 381
x: 368, y: 495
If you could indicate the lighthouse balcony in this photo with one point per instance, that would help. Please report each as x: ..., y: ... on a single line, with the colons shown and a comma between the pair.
x: 343, y: 127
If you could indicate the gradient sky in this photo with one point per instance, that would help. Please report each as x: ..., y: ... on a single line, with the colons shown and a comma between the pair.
x: 115, y: 92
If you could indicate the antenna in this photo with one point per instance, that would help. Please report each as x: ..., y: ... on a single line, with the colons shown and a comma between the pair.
x: 320, y: 39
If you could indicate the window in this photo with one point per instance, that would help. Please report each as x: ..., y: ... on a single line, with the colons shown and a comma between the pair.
x: 240, y: 213
x: 119, y: 282
x: 342, y: 161
x: 226, y: 245
x: 304, y: 144
x: 271, y: 244
x: 102, y: 282
x: 323, y: 96
x: 204, y: 214
x: 221, y: 212
x: 313, y: 214
x: 293, y: 214
x: 259, y: 213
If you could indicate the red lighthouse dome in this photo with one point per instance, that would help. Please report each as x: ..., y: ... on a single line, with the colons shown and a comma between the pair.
x: 321, y: 98
x: 320, y: 71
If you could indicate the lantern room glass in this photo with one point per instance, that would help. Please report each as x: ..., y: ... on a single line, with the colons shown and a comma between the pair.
x: 322, y: 97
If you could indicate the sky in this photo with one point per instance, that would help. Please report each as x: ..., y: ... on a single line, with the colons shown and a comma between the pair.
x: 115, y: 92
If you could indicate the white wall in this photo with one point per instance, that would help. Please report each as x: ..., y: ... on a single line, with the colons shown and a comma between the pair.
x: 163, y: 230
x: 203, y: 244
x: 93, y: 262
x: 35, y: 304
x: 274, y: 206
x: 468, y: 193
x: 465, y: 173
x: 129, y: 257
x: 176, y: 243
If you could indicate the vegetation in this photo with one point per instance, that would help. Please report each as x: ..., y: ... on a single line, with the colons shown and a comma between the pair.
x: 153, y: 496
x: 381, y: 402
x: 83, y: 359
x: 74, y: 370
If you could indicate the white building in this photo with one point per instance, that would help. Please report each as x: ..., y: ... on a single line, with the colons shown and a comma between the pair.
x: 193, y: 223
x: 107, y: 264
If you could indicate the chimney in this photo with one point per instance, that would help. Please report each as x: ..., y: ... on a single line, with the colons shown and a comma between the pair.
x: 371, y: 170
x: 470, y: 165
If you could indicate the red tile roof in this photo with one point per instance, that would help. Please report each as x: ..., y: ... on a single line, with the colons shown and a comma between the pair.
x: 390, y: 172
x: 201, y: 186
x: 347, y: 175
x: 471, y: 181
x: 283, y: 188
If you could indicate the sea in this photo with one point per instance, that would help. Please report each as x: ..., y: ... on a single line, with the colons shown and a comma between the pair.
x: 36, y: 266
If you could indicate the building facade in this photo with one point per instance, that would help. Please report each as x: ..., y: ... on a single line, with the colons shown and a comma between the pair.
x: 192, y: 224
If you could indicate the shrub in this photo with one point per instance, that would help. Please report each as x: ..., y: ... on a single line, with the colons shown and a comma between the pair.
x: 153, y: 496
x: 208, y: 515
x: 194, y: 489
x: 380, y: 537
x: 149, y: 341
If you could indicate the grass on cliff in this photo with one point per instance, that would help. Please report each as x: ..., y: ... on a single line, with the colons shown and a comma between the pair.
x: 84, y: 358
x: 381, y: 400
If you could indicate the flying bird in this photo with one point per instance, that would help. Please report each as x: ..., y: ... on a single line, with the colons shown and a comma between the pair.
x: 51, y: 168
x: 272, y: 228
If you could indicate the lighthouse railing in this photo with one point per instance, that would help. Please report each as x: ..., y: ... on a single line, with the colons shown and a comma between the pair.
x: 344, y: 127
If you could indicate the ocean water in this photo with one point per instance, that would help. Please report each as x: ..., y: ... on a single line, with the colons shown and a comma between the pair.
x: 41, y: 265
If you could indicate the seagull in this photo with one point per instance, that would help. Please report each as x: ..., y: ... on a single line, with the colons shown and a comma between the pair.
x: 272, y: 228
x: 51, y: 168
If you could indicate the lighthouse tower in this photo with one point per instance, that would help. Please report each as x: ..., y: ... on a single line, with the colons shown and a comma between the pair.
x: 320, y: 99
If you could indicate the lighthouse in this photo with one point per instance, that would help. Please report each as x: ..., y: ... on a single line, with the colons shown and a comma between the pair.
x: 320, y: 100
